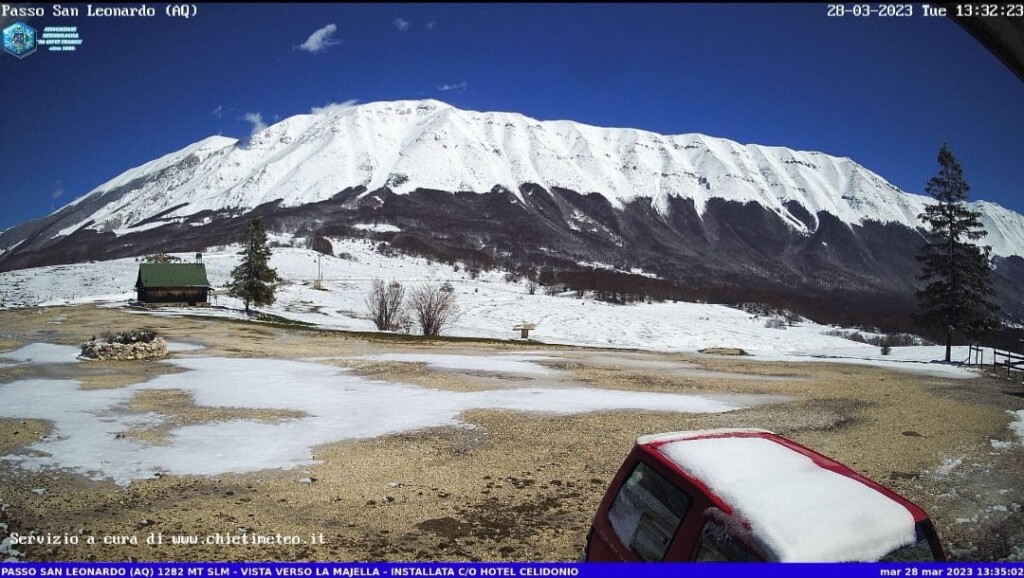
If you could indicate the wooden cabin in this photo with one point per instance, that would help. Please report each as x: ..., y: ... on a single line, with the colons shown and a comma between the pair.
x: 172, y: 283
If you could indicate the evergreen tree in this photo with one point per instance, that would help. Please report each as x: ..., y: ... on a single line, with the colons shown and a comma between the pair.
x: 251, y: 279
x: 956, y: 272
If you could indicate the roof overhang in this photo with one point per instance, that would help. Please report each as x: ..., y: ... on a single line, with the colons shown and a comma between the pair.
x: 1003, y: 36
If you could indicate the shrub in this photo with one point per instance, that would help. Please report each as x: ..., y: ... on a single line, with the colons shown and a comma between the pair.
x: 889, y: 339
x: 127, y: 337
x: 385, y: 304
x: 160, y: 258
x: 434, y: 307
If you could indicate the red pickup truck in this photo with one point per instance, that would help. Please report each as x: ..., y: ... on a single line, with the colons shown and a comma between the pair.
x: 750, y: 495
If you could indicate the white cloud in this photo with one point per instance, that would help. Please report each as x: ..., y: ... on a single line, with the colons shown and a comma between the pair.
x: 58, y: 190
x: 459, y: 86
x: 218, y: 112
x: 257, y: 121
x: 401, y: 24
x: 431, y: 25
x: 320, y: 40
x: 333, y: 107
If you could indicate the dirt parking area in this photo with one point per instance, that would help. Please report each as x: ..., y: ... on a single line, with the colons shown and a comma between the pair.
x: 500, y: 485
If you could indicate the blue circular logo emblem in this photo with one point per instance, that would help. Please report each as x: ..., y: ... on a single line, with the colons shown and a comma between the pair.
x: 19, y: 39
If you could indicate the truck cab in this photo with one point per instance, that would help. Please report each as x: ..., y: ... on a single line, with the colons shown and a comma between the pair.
x: 750, y: 495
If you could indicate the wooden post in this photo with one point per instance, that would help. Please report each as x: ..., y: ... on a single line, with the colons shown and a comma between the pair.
x: 524, y: 329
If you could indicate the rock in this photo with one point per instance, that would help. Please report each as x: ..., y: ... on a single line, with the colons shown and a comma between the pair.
x: 124, y: 352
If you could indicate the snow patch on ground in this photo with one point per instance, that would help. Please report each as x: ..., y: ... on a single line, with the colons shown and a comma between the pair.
x: 1017, y: 425
x: 947, y: 467
x: 491, y: 306
x: 338, y: 405
x: 7, y: 551
x: 44, y: 353
x: 919, y: 359
x: 377, y: 227
x: 176, y: 346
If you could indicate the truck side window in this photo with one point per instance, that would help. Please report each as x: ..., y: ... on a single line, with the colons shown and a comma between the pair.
x: 646, y: 512
x: 718, y: 545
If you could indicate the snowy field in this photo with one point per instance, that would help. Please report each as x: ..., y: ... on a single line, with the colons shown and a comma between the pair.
x: 491, y: 307
x: 90, y: 425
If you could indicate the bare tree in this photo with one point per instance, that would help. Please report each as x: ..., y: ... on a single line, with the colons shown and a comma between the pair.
x: 531, y: 286
x: 434, y: 307
x: 386, y: 305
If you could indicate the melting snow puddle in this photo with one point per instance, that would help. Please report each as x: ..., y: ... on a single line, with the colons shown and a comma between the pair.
x: 517, y: 364
x: 50, y: 354
x: 926, y: 367
x: 339, y: 406
x: 44, y: 353
x: 177, y: 346
x: 638, y: 363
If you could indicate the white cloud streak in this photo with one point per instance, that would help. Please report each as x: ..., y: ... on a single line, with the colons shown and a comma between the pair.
x: 333, y: 107
x: 256, y: 119
x: 447, y: 87
x: 401, y: 24
x: 320, y: 40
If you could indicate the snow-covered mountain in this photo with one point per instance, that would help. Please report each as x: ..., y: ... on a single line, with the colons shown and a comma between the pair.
x: 407, y: 145
x: 690, y: 208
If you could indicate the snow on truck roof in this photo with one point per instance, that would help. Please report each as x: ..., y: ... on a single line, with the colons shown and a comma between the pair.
x: 800, y: 504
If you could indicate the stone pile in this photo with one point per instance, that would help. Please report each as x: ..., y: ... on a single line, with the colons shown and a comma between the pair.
x: 154, y: 349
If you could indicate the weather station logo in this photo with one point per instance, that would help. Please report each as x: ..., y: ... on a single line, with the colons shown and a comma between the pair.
x: 19, y: 39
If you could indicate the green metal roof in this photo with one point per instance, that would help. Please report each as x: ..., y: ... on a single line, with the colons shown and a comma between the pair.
x: 172, y: 275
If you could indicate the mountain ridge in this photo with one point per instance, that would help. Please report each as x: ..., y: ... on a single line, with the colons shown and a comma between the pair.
x: 711, y: 218
x: 405, y: 145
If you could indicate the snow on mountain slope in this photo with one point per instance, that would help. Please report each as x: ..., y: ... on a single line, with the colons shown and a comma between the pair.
x: 407, y: 145
x: 490, y: 305
x: 1005, y: 228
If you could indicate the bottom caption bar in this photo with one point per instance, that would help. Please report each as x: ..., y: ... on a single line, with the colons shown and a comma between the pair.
x: 493, y: 569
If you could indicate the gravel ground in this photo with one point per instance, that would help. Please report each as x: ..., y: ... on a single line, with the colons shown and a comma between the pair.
x: 510, y: 486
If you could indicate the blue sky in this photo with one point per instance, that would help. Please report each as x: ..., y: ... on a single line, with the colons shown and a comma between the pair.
x: 884, y: 92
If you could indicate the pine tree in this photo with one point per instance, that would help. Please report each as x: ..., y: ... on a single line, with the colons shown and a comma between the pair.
x: 956, y: 272
x: 250, y: 280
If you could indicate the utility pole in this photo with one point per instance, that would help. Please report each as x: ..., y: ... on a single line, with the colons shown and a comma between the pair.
x: 319, y: 285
